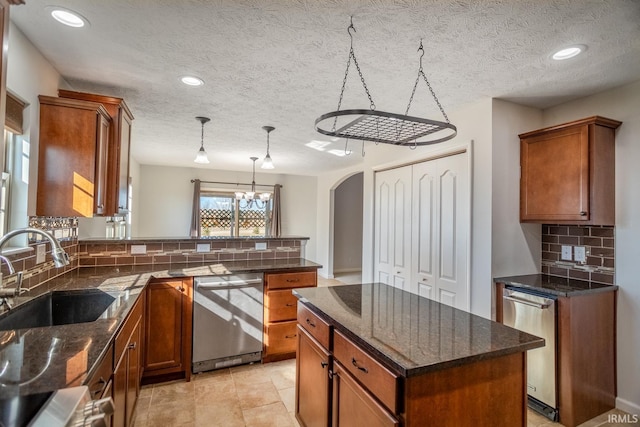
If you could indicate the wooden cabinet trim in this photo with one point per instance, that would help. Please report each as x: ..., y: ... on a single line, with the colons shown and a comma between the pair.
x: 290, y: 280
x: 318, y: 328
x: 313, y: 383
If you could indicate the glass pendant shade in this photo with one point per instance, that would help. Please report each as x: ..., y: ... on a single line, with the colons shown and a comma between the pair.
x: 201, y: 157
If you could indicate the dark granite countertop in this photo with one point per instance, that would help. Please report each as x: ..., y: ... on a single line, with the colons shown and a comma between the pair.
x: 410, y: 334
x: 560, y: 286
x: 44, y: 359
x: 185, y: 238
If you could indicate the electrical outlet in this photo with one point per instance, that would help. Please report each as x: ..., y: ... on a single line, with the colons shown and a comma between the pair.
x: 138, y: 249
x: 580, y: 254
x: 41, y: 253
x: 203, y: 247
x: 566, y: 253
x: 261, y: 246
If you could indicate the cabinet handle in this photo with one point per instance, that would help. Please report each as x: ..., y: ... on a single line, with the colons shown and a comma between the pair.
x: 361, y: 368
x: 289, y: 304
x: 293, y: 280
x: 398, y: 272
x: 180, y: 289
x: 583, y: 213
x: 291, y: 336
x: 132, y: 345
x: 310, y: 323
x: 324, y: 364
x: 100, y: 206
x: 101, y: 382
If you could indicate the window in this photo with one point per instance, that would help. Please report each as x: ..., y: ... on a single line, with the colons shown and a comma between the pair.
x: 221, y: 214
x: 15, y: 183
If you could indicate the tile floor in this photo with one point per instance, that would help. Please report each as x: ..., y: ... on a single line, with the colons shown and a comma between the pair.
x: 249, y: 396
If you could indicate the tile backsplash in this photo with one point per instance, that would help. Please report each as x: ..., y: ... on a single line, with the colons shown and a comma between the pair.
x: 599, y: 244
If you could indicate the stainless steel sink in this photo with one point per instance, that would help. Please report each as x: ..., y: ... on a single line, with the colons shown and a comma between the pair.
x: 58, y: 308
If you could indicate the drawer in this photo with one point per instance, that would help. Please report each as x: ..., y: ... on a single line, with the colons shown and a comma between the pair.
x: 317, y: 328
x: 291, y: 280
x: 122, y: 339
x: 100, y: 379
x: 381, y: 382
x: 280, y: 305
x: 281, y: 337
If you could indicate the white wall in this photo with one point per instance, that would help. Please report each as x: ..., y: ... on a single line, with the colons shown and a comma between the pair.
x: 29, y: 74
x: 347, y: 229
x: 620, y: 104
x: 165, y: 195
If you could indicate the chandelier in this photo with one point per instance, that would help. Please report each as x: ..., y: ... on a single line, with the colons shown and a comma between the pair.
x: 379, y: 126
x: 250, y: 198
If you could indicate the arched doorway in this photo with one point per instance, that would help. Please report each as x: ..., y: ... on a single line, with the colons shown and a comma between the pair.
x: 347, y: 229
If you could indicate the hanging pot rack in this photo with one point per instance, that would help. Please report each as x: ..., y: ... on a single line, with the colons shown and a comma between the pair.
x: 380, y: 126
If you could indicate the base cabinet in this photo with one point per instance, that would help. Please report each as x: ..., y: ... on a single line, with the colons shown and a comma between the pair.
x: 313, y: 366
x: 280, y: 334
x: 128, y: 363
x: 168, y: 330
x: 353, y: 405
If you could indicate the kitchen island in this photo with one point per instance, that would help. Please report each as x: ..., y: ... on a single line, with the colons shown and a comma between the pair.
x: 375, y: 355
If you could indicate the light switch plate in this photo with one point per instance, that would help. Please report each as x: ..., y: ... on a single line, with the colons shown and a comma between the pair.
x: 41, y: 252
x: 261, y: 246
x: 138, y: 249
x: 580, y: 254
x: 566, y: 253
x: 203, y: 247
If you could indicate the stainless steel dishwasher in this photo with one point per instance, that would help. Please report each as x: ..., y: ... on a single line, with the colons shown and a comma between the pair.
x: 227, y: 321
x: 536, y: 314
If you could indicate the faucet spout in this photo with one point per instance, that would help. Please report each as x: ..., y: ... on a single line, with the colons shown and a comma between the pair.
x: 60, y: 257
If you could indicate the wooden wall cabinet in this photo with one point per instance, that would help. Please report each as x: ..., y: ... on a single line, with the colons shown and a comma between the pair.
x: 168, y: 330
x: 73, y: 155
x: 128, y: 351
x: 567, y: 173
x: 280, y: 332
x: 119, y: 148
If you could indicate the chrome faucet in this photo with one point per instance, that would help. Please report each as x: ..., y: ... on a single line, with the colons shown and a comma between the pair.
x: 60, y: 258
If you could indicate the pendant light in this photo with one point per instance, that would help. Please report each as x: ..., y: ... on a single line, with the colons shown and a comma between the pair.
x: 267, y: 163
x: 202, y: 157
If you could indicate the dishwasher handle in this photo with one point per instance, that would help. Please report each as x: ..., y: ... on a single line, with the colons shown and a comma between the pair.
x: 229, y: 284
x: 527, y: 302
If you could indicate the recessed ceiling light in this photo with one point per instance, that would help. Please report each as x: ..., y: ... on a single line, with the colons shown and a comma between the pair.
x: 192, y: 80
x: 68, y: 17
x: 569, y: 52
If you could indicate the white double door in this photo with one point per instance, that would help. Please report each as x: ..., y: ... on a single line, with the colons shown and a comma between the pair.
x: 422, y: 229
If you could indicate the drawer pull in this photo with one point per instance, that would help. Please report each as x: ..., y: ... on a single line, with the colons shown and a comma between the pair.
x: 310, y: 323
x: 102, y: 383
x: 289, y: 304
x: 132, y: 346
x: 360, y: 368
x: 180, y: 289
x: 583, y: 213
x: 324, y: 364
x: 293, y: 280
x: 291, y: 336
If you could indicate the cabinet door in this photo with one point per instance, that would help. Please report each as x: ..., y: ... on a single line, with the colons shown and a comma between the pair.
x: 554, y: 181
x: 102, y: 147
x: 133, y: 370
x: 393, y: 227
x: 163, y: 335
x: 123, y: 170
x: 353, y: 406
x: 312, y: 383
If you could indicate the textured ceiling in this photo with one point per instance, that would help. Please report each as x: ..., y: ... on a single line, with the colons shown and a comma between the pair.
x: 282, y: 63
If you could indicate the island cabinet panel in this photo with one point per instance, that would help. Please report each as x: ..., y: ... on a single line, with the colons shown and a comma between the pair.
x: 128, y: 363
x: 313, y: 367
x: 73, y: 156
x: 280, y: 333
x: 168, y: 330
x: 482, y: 392
x: 353, y: 405
x: 568, y: 173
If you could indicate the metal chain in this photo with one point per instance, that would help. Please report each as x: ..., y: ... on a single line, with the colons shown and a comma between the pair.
x: 433, y: 94
x: 352, y: 54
